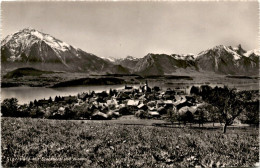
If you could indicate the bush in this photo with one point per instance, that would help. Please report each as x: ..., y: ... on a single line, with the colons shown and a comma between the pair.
x: 124, y: 111
x: 81, y: 111
x: 142, y: 114
x: 9, y: 108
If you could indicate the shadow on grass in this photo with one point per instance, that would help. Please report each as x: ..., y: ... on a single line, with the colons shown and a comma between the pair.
x: 206, y: 128
x: 168, y: 125
x: 133, y: 124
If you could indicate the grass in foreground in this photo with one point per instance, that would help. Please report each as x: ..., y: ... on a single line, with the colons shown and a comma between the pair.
x: 38, y: 142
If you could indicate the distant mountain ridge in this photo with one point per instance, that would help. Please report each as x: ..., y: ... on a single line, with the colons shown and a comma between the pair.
x: 219, y: 59
x: 31, y: 47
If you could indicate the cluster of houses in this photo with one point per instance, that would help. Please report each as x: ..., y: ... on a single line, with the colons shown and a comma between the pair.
x: 144, y: 102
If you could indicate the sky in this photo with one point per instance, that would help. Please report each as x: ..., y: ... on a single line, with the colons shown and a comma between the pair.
x: 119, y: 29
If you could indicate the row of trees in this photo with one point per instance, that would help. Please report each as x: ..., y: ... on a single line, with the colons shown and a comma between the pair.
x: 10, y: 108
x: 229, y: 104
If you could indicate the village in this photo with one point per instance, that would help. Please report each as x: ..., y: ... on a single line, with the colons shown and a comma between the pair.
x: 143, y: 102
x: 197, y: 105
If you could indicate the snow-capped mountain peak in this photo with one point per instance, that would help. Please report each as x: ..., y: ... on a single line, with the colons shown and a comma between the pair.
x: 235, y: 54
x: 189, y: 56
x: 130, y: 58
x: 111, y: 59
x: 252, y: 52
x: 218, y: 50
x: 28, y: 36
x: 39, y: 46
x: 32, y: 47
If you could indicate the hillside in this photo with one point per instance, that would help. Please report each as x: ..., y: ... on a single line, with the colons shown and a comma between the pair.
x: 90, y: 81
x: 20, y: 72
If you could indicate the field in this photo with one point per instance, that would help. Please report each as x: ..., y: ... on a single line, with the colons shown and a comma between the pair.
x: 40, y: 142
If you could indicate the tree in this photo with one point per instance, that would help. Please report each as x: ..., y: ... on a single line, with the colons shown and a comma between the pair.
x: 103, y: 94
x: 156, y: 88
x: 142, y: 114
x: 100, y: 100
x: 35, y: 102
x: 23, y: 111
x: 92, y: 94
x: 124, y: 111
x: 212, y: 113
x: 68, y: 114
x: 39, y: 113
x: 228, y: 103
x: 9, y: 107
x: 31, y: 104
x: 77, y: 112
x: 252, y: 113
x: 205, y: 91
x: 194, y: 90
x: 200, y: 115
x: 172, y: 115
x: 50, y: 100
x: 188, y: 117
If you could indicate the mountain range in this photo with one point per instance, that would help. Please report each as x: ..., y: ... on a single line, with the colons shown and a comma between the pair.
x: 219, y: 59
x: 29, y: 47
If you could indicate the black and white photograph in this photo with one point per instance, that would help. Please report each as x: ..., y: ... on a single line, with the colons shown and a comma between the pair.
x: 154, y: 84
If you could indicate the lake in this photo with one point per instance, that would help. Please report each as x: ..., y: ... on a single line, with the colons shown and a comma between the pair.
x: 26, y: 94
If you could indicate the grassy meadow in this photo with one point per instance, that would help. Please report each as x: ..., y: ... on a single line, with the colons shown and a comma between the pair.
x: 59, y: 143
